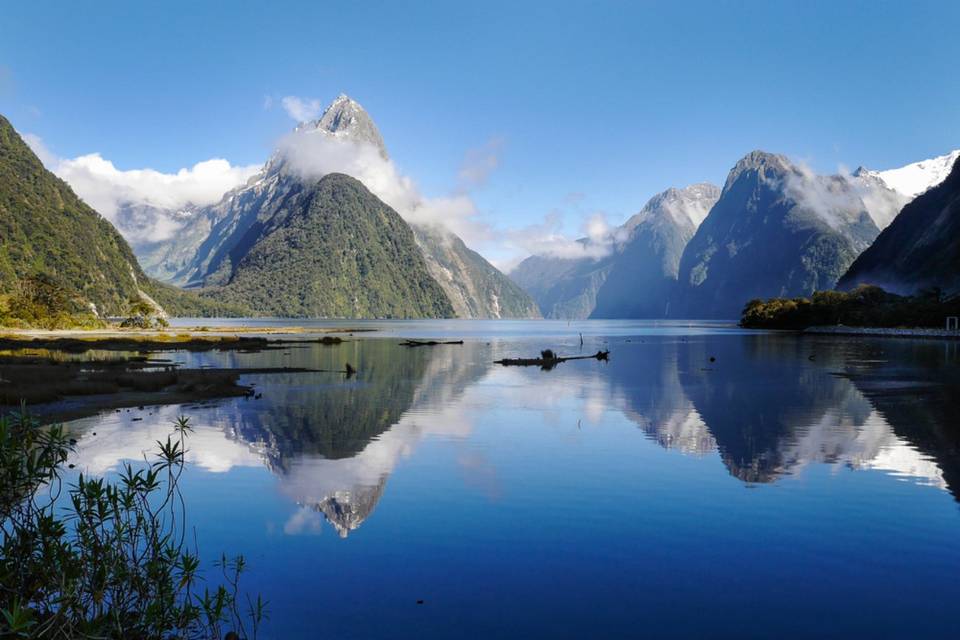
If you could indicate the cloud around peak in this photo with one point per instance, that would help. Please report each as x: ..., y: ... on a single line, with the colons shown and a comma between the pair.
x: 301, y: 109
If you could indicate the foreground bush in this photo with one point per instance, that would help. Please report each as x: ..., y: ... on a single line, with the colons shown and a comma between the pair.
x: 110, y: 561
x: 865, y: 306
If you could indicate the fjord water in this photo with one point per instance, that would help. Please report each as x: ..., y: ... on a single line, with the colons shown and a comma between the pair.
x: 706, y: 481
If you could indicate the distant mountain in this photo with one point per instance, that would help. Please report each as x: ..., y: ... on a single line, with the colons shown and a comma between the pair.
x: 913, y: 179
x: 777, y: 230
x: 886, y: 192
x: 216, y: 238
x: 920, y: 249
x: 45, y: 229
x: 334, y: 250
x: 476, y: 288
x: 646, y: 266
x: 635, y: 273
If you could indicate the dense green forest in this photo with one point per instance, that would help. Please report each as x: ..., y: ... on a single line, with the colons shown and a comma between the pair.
x: 339, y: 253
x: 864, y: 306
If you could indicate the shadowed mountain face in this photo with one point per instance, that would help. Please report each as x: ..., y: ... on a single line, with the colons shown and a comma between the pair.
x: 777, y: 230
x: 634, y: 273
x: 920, y: 248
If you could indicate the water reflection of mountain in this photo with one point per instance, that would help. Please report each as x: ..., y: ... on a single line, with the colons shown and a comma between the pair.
x: 335, y: 441
x: 332, y: 442
x: 914, y: 386
x: 770, y: 405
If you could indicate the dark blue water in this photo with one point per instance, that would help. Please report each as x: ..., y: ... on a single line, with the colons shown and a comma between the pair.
x: 790, y: 487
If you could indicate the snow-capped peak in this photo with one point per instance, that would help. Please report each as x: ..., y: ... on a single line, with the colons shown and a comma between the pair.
x: 914, y: 179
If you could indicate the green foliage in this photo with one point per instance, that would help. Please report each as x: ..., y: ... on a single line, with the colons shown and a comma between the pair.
x: 44, y: 302
x: 865, y: 306
x: 46, y: 230
x: 112, y: 562
x: 181, y: 303
x: 339, y: 253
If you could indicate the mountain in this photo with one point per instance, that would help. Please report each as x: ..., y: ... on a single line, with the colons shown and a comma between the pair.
x: 920, y: 249
x: 635, y: 272
x: 347, y: 119
x: 886, y: 192
x: 46, y: 230
x: 333, y: 251
x: 562, y: 287
x: 915, y: 178
x: 777, y: 230
x: 216, y: 238
x: 475, y: 287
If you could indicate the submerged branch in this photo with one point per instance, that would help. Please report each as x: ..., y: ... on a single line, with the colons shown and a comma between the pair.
x: 427, y: 343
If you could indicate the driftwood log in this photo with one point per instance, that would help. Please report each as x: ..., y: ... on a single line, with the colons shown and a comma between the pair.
x: 427, y: 343
x: 548, y: 359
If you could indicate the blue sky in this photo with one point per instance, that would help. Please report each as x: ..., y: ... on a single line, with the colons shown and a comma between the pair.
x: 598, y: 105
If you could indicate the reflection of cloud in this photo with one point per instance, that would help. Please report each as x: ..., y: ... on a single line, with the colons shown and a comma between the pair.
x: 120, y: 439
x: 304, y: 521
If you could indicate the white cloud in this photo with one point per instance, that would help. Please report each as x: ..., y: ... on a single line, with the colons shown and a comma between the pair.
x: 301, y: 109
x: 479, y: 163
x: 311, y: 154
x: 35, y: 142
x: 839, y: 199
x: 597, y: 239
x: 158, y: 195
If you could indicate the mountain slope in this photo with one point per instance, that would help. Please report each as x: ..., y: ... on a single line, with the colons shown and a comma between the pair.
x: 46, y: 229
x: 777, y: 230
x: 637, y: 277
x: 920, y: 249
x: 335, y: 251
x: 476, y: 288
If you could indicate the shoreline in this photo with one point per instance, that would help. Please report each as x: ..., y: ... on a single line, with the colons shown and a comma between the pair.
x: 889, y: 332
x: 173, y: 332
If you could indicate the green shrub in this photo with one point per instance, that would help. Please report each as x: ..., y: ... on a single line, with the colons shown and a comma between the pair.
x: 865, y: 306
x: 110, y: 561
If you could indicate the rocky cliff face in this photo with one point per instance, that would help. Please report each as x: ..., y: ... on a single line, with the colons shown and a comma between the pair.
x: 475, y: 287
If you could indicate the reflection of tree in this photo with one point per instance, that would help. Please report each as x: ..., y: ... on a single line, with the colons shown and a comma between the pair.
x: 914, y: 387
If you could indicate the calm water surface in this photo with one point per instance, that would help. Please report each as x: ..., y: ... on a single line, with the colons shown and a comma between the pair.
x: 795, y: 486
